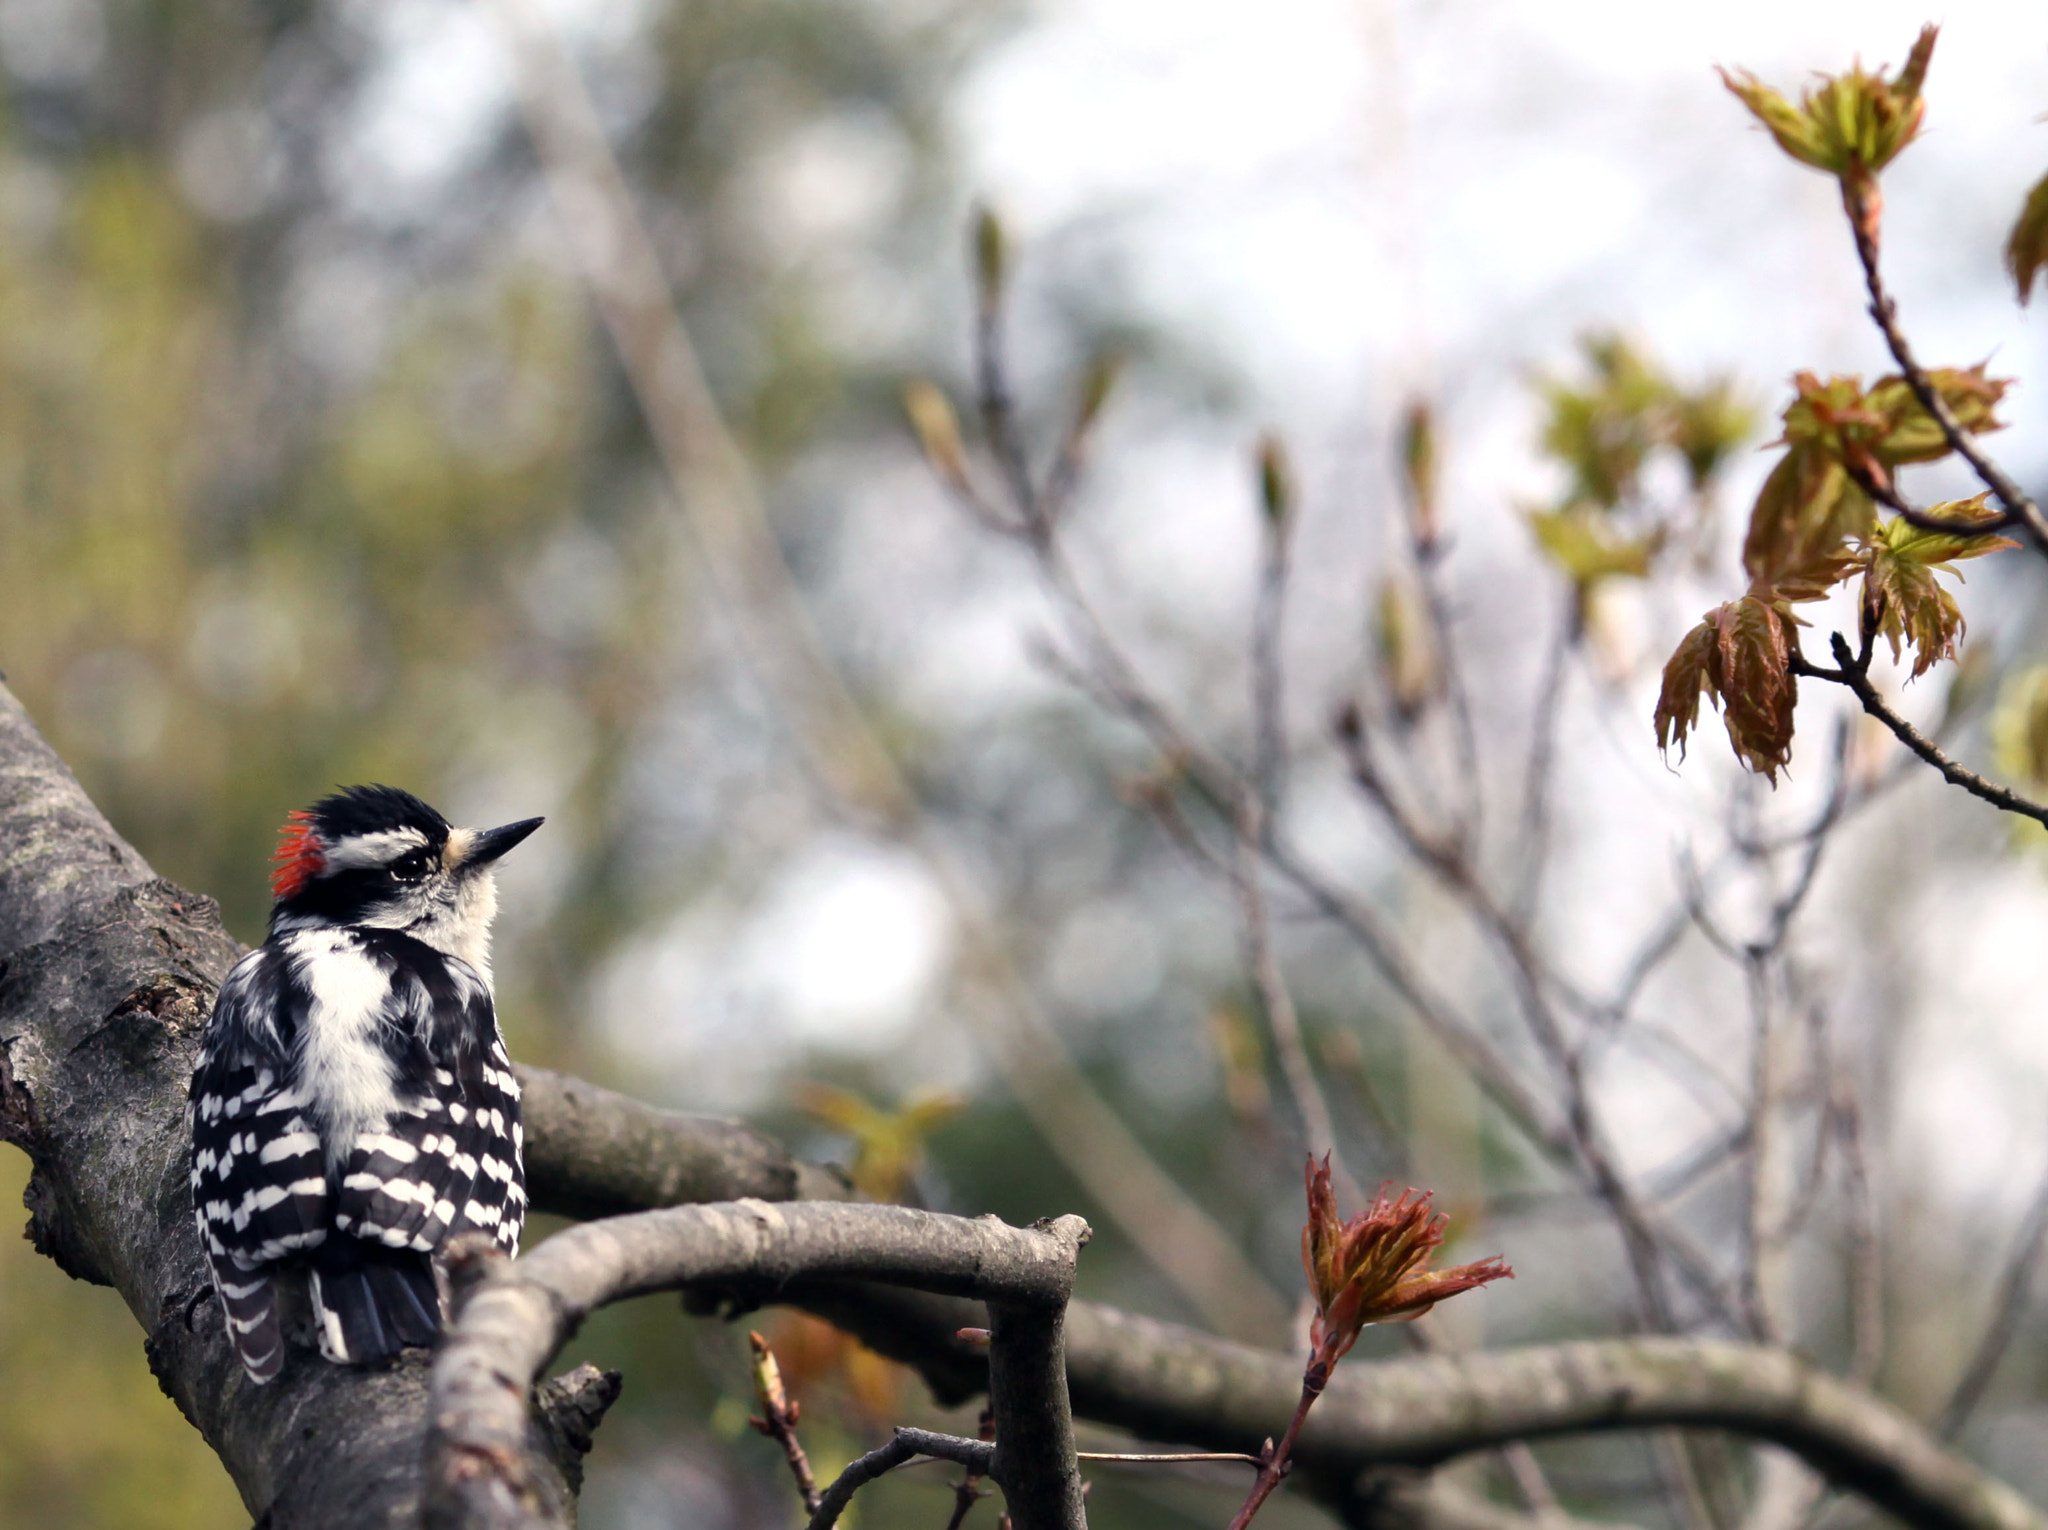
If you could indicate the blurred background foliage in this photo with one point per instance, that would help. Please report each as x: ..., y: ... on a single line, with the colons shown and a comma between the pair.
x: 315, y: 468
x: 304, y: 482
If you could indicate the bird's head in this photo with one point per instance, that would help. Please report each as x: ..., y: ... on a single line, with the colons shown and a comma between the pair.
x: 378, y: 857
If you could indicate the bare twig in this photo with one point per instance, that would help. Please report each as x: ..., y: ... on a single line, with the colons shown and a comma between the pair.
x: 1430, y: 552
x: 1855, y: 675
x: 1761, y: 1243
x: 1275, y: 1001
x: 998, y: 408
x: 777, y: 1419
x: 1534, y: 846
x: 967, y: 1492
x: 903, y: 1446
x: 1269, y: 615
x: 1863, y: 1256
x: 1274, y: 1460
x: 712, y: 479
x: 2009, y: 1300
x: 1884, y: 312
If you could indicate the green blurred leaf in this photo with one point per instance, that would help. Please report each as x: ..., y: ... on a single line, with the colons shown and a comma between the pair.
x: 888, y: 1145
x: 2019, y: 727
x: 2026, y: 248
x: 1580, y: 543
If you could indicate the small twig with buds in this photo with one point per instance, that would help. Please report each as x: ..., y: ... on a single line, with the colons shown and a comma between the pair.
x: 777, y: 1419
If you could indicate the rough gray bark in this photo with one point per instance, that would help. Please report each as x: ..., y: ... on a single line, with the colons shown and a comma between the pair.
x: 591, y: 1152
x: 106, y: 976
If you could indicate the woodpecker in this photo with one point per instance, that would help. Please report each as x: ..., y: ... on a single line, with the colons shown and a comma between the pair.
x: 354, y: 1108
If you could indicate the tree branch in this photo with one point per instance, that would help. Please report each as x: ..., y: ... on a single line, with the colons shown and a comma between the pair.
x: 977, y: 1456
x: 1855, y: 674
x: 516, y: 1321
x: 105, y: 978
x: 1885, y: 314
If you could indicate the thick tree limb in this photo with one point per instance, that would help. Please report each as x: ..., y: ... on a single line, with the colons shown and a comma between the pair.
x: 516, y: 1321
x: 1165, y: 1382
x: 106, y: 977
x: 592, y: 1152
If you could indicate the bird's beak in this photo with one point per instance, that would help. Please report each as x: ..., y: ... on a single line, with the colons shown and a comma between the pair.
x: 489, y: 844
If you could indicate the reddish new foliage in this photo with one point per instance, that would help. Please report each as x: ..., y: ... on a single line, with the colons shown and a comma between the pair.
x: 1375, y: 1268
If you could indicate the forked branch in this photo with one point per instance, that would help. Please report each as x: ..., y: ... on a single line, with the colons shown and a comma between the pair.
x: 519, y: 1316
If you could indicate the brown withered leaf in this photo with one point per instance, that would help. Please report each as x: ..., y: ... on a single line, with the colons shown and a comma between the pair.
x: 1801, y: 530
x: 1737, y: 656
x: 1904, y: 601
x: 1689, y: 671
x: 2026, y: 248
x: 1753, y: 645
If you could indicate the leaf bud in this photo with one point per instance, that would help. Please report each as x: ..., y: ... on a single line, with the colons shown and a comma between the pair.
x: 1418, y: 471
x: 1407, y: 662
x: 1276, y: 484
x: 991, y: 257
x: 1850, y: 125
x: 768, y: 1389
x: 1100, y: 378
x: 1375, y: 1268
x: 938, y: 430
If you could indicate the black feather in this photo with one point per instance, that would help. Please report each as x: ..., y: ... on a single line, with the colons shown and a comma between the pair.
x: 369, y: 1302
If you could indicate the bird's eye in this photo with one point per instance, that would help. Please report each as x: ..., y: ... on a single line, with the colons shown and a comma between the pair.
x: 411, y: 867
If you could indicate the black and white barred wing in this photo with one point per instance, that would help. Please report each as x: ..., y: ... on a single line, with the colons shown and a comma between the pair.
x: 448, y: 1159
x: 259, y: 1188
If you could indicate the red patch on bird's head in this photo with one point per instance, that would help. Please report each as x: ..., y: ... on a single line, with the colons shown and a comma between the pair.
x: 299, y: 857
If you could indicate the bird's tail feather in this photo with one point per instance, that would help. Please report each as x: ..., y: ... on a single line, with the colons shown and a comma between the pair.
x: 369, y: 1302
x: 249, y: 1298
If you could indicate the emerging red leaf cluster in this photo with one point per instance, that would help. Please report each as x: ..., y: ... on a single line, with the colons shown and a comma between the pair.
x: 1738, y: 655
x: 1375, y: 1267
x: 1814, y: 526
